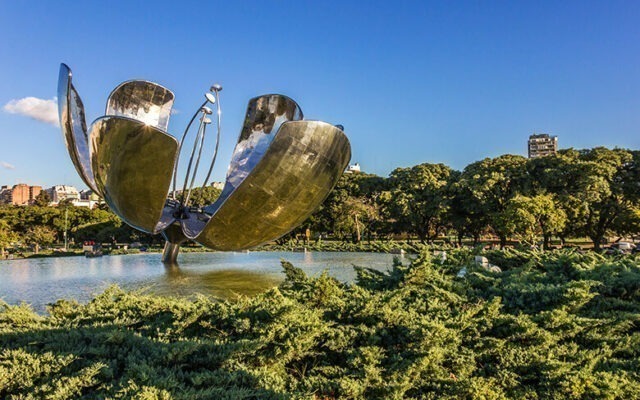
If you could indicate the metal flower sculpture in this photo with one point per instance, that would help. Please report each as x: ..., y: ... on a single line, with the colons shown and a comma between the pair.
x: 282, y: 167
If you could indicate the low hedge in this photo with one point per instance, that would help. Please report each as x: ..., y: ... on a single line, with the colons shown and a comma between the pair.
x: 559, y: 325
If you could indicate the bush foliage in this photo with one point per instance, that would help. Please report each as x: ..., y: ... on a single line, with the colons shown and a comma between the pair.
x: 556, y: 325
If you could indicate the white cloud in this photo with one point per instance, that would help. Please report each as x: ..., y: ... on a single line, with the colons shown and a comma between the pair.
x: 6, y: 165
x: 39, y: 109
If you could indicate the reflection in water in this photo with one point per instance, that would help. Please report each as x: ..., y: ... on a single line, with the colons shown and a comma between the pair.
x: 308, y: 258
x: 222, y: 274
x: 227, y: 283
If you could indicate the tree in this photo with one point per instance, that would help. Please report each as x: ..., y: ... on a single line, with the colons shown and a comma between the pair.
x: 628, y: 180
x: 628, y: 222
x: 42, y: 199
x: 560, y: 176
x: 355, y: 216
x: 40, y: 236
x: 203, y: 196
x: 352, y: 192
x: 489, y: 185
x: 7, y: 236
x: 418, y: 199
x: 529, y: 217
x: 465, y: 212
x: 601, y: 190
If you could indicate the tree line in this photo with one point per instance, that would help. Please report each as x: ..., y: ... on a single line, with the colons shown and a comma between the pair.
x: 590, y: 193
x: 42, y: 225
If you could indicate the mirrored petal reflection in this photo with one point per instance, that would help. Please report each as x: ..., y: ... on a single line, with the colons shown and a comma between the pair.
x: 297, y: 172
x: 133, y: 166
x: 265, y: 114
x: 74, y: 127
x: 142, y: 100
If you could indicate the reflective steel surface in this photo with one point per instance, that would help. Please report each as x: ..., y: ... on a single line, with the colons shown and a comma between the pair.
x: 297, y: 172
x: 264, y: 116
x: 281, y: 170
x: 74, y: 126
x: 133, y: 166
x: 142, y: 100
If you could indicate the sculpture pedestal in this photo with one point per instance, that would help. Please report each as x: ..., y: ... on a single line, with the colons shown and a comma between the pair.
x: 170, y: 253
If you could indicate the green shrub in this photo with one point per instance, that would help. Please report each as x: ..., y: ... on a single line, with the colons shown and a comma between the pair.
x: 559, y: 325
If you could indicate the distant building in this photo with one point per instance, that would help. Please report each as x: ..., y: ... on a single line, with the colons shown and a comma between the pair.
x: 218, y: 185
x: 88, y: 194
x: 62, y: 192
x: 85, y: 203
x: 542, y: 145
x: 354, y: 168
x: 34, y: 191
x: 5, y: 192
x: 20, y: 194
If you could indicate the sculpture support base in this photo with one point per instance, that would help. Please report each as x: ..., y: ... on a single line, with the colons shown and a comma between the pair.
x: 170, y: 253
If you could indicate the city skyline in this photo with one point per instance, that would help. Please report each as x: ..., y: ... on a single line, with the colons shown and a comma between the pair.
x: 411, y: 83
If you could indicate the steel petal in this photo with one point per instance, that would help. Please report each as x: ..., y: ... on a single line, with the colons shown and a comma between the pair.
x: 74, y: 127
x: 297, y: 172
x: 142, y: 100
x: 265, y: 114
x: 133, y: 165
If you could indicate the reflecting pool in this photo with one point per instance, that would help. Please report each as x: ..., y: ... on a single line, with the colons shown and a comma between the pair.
x: 41, y: 281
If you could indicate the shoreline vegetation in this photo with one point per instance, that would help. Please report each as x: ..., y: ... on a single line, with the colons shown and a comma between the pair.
x: 375, y: 246
x: 560, y: 198
x: 561, y: 324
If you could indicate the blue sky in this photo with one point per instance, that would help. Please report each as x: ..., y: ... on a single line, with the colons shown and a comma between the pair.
x: 412, y: 82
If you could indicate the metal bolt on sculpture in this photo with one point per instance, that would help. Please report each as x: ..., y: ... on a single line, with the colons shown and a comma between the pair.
x: 281, y: 170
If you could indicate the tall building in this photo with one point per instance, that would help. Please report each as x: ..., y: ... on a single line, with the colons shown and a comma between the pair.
x: 34, y: 191
x: 542, y: 145
x: 5, y: 194
x: 63, y: 192
x: 20, y: 194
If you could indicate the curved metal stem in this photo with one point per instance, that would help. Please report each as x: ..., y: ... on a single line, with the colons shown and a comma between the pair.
x: 215, y: 152
x: 195, y: 169
x: 184, y: 135
x: 193, y: 152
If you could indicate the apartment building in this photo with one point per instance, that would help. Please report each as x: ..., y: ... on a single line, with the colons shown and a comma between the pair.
x: 541, y: 145
x: 20, y: 194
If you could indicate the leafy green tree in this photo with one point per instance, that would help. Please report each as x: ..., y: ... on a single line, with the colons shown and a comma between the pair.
x: 560, y: 175
x: 529, y: 217
x: 355, y: 216
x: 352, y: 192
x: 99, y: 225
x: 628, y: 222
x: 40, y: 236
x: 7, y: 236
x: 489, y: 184
x: 418, y: 199
x: 42, y: 199
x: 202, y: 196
x: 21, y: 219
x: 628, y: 181
x: 465, y: 212
x: 602, y: 192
